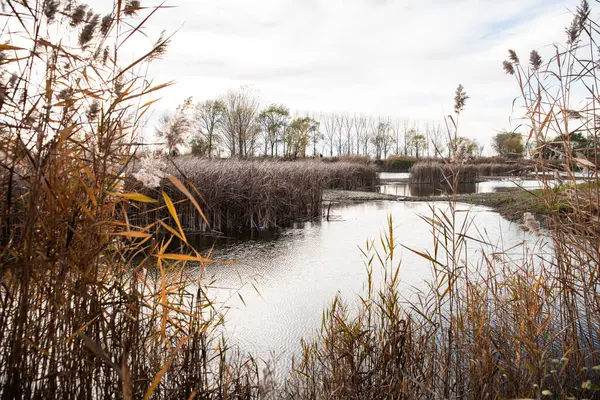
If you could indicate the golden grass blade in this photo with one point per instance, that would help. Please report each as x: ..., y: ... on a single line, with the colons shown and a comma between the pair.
x: 133, y: 234
x: 184, y: 257
x: 171, y: 230
x: 173, y: 213
x: 184, y: 190
x: 135, y: 197
x: 67, y: 340
x: 5, y: 46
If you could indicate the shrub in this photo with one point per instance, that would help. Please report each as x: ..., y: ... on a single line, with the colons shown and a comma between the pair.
x: 399, y: 163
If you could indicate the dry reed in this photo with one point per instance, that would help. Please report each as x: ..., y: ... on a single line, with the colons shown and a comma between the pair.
x: 92, y: 306
x: 240, y: 195
x: 505, y: 169
x: 522, y: 322
x: 435, y: 173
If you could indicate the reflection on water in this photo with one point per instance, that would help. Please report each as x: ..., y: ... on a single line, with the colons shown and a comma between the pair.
x: 410, y: 189
x: 397, y: 184
x: 394, y: 176
x: 286, y: 280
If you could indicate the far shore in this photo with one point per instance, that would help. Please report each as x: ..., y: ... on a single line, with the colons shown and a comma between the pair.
x: 511, y: 205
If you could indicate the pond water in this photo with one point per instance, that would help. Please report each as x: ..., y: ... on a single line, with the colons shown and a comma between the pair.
x: 286, y: 280
x: 501, y: 185
x: 397, y: 184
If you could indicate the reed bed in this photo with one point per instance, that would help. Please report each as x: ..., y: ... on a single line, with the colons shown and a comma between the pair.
x: 435, y: 173
x: 500, y: 327
x: 93, y: 306
x: 239, y: 195
x: 356, y: 159
x: 505, y: 169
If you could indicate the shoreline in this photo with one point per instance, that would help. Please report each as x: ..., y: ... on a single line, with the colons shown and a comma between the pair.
x: 511, y: 205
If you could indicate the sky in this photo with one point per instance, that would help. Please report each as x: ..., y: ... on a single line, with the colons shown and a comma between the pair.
x: 401, y: 58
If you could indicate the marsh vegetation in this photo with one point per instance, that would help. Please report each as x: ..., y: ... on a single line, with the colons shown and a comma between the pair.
x: 96, y: 303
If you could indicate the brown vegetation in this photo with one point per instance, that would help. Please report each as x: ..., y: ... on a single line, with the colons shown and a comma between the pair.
x: 239, y: 195
x: 93, y: 306
x: 436, y: 173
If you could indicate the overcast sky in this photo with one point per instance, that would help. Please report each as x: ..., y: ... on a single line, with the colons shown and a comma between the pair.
x: 398, y: 58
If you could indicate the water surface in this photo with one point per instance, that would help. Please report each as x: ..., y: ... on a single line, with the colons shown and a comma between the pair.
x: 286, y: 280
x: 494, y: 186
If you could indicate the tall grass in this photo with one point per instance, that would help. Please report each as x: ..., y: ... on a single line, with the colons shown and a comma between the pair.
x: 239, y: 195
x: 506, y: 169
x: 521, y: 322
x: 92, y: 306
x: 436, y: 173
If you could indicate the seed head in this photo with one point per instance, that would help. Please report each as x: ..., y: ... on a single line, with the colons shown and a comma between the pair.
x: 535, y: 60
x: 78, y: 15
x: 460, y: 99
x: 87, y: 33
x: 105, y: 55
x: 50, y: 9
x: 131, y: 7
x: 508, y: 67
x: 105, y: 24
x: 160, y: 47
x: 93, y: 111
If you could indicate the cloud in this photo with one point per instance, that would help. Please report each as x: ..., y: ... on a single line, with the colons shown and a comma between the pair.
x: 401, y: 58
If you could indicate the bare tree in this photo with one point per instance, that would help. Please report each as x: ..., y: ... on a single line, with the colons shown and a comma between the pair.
x: 381, y: 139
x: 208, y: 118
x: 396, y: 127
x: 339, y: 133
x: 436, y: 139
x: 360, y: 128
x: 407, y: 127
x: 240, y: 125
x: 315, y: 134
x: 347, y: 122
x: 329, y: 122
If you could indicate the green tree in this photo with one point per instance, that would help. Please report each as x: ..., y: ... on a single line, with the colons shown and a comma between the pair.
x: 273, y: 121
x: 508, y: 144
x: 199, y: 146
x: 298, y: 135
x: 573, y: 143
x: 419, y: 143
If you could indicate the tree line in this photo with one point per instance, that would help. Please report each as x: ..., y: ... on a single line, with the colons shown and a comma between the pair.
x: 237, y: 125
